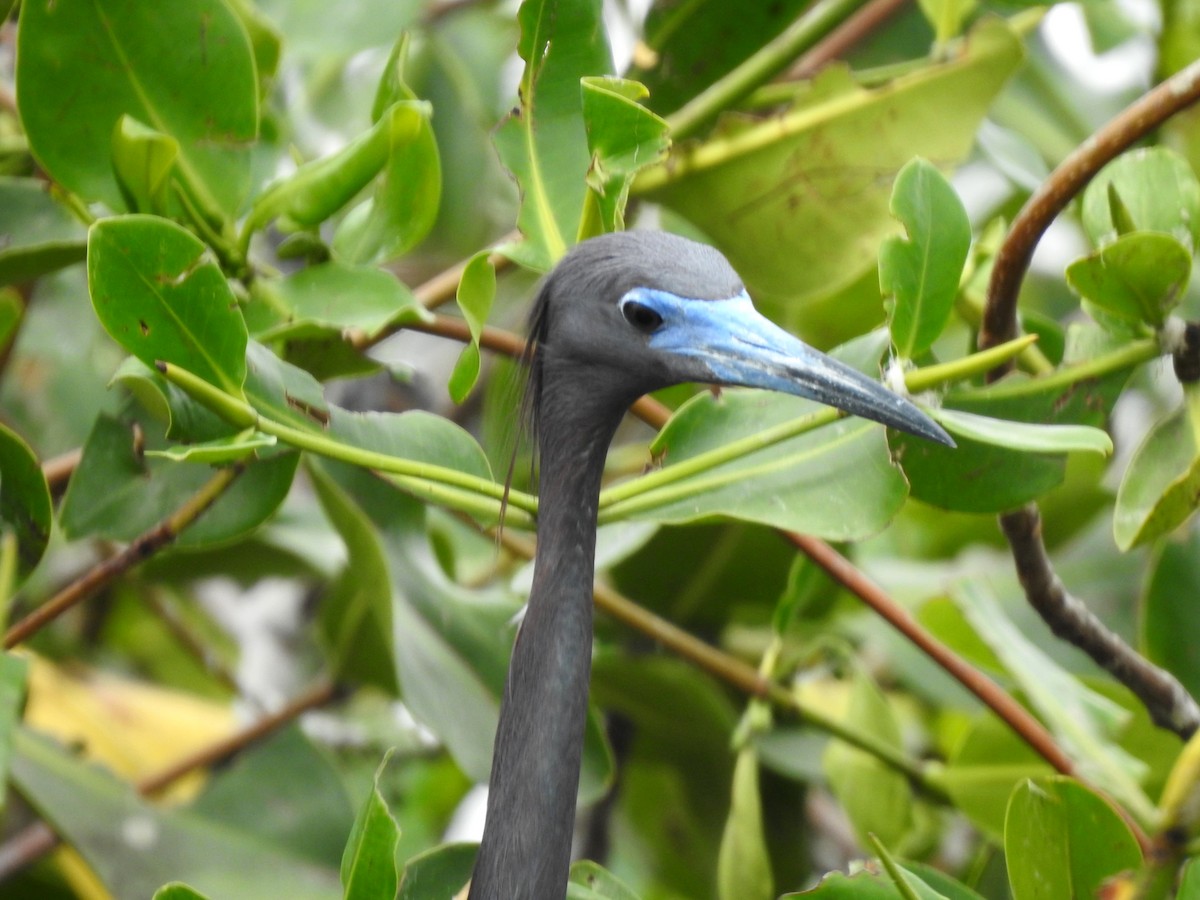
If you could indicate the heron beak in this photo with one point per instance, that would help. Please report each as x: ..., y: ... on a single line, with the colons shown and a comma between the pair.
x: 741, y: 347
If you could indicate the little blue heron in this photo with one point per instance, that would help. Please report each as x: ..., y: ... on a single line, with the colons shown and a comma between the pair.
x: 621, y: 315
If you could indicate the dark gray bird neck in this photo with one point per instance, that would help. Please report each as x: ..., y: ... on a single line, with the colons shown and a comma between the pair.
x: 526, y: 848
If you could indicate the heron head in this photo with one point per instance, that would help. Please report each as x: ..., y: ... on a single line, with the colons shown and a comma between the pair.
x: 632, y: 312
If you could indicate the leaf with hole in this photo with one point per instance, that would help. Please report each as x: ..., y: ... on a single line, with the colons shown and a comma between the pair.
x: 160, y: 293
x: 82, y: 66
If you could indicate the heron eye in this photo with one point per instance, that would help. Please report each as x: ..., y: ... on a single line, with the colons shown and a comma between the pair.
x: 640, y: 316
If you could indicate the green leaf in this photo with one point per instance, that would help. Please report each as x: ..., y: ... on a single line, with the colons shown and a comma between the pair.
x: 787, y: 483
x: 763, y: 190
x: 1139, y: 277
x: 1082, y: 720
x: 177, y: 890
x: 1062, y: 840
x: 356, y: 612
x: 1155, y: 190
x: 921, y: 273
x: 265, y: 41
x: 14, y: 670
x: 440, y: 872
x: 328, y: 306
x: 863, y: 885
x: 161, y: 295
x: 158, y: 846
x: 543, y: 143
x: 218, y: 450
x: 406, y: 198
x: 598, y: 881
x: 82, y: 66
x: 476, y: 291
x: 25, y: 509
x: 318, y: 189
x: 37, y: 235
x: 1031, y: 437
x: 451, y: 645
x: 369, y: 862
x: 117, y: 494
x: 1161, y: 486
x: 984, y: 769
x: 256, y: 793
x: 185, y: 419
x: 877, y: 799
x: 691, y: 45
x: 743, y: 867
x: 623, y: 137
x: 982, y: 477
x: 143, y: 160
x: 1170, y: 631
x: 946, y: 16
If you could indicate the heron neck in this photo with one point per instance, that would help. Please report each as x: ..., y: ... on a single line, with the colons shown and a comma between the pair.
x: 526, y: 848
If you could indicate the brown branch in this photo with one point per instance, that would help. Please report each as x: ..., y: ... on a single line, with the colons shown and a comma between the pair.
x: 58, y: 470
x: 222, y: 750
x: 1131, y: 125
x: 857, y: 27
x: 141, y: 548
x: 1168, y: 703
x: 38, y: 839
x: 1019, y: 719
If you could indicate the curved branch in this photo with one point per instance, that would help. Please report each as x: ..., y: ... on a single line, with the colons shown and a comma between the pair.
x: 1168, y: 703
x: 1131, y: 125
x: 139, y: 550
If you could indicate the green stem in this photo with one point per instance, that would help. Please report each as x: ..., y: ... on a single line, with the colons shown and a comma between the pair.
x: 1132, y: 354
x: 718, y: 456
x: 773, y: 58
x: 980, y: 363
x: 670, y: 493
x: 421, y: 478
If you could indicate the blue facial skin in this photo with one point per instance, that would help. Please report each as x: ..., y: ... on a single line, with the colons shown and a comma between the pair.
x: 741, y: 347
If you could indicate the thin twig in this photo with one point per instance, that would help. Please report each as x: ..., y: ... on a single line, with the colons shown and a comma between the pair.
x: 842, y: 39
x: 59, y: 469
x: 1012, y: 713
x: 1168, y: 703
x: 222, y: 750
x: 38, y: 839
x: 141, y: 548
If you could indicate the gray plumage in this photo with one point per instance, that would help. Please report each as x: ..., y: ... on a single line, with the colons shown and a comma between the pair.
x: 617, y: 318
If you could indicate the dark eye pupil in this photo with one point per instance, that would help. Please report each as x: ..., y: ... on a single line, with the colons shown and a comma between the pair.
x: 641, y: 316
